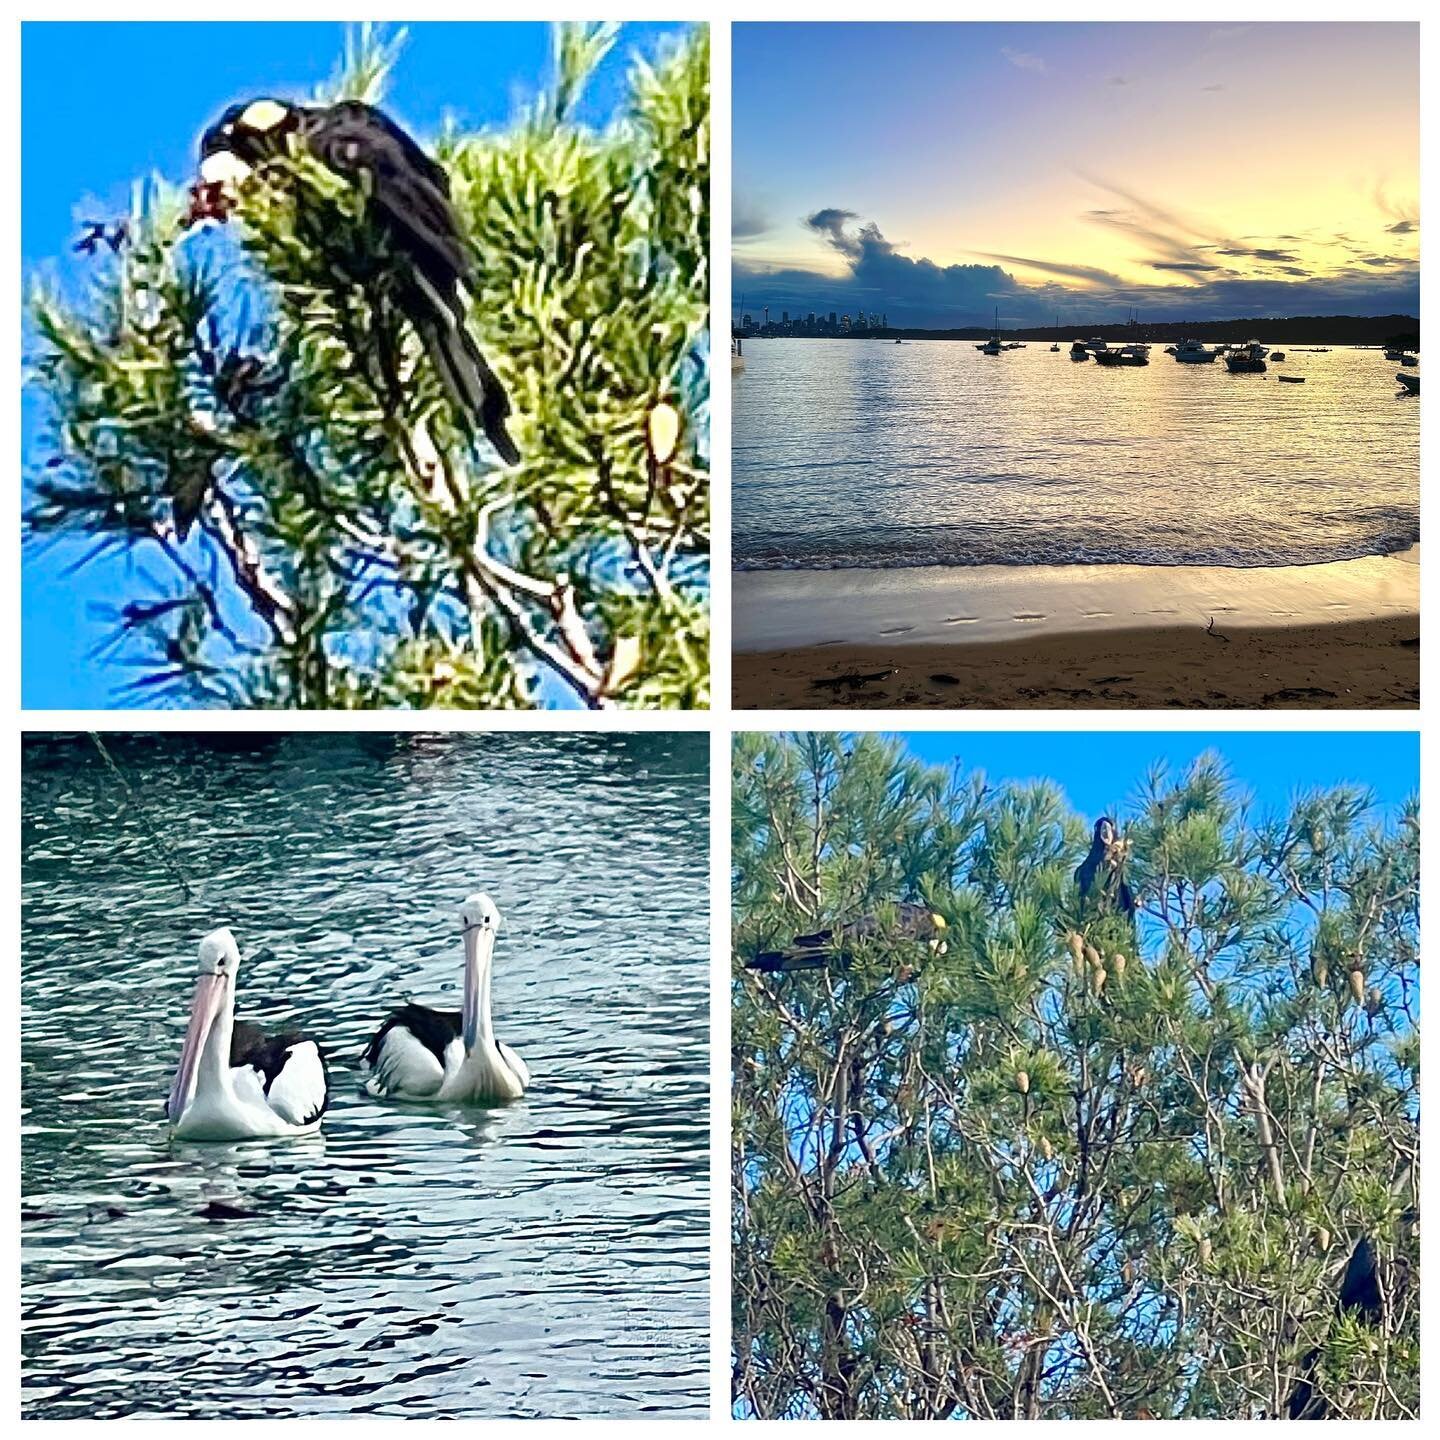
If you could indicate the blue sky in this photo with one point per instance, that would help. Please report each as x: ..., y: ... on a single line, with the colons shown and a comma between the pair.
x: 1101, y: 771
x: 105, y: 104
x: 1203, y: 170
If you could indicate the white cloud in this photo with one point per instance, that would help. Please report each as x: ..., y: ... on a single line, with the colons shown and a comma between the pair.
x: 1024, y: 60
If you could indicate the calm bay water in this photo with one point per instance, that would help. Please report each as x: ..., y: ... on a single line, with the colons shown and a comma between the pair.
x: 867, y: 453
x: 546, y: 1258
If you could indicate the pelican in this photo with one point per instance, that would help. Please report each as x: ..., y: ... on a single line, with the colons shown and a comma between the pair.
x: 234, y: 1082
x: 424, y: 1054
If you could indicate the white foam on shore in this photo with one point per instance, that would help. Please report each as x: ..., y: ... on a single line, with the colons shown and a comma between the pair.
x: 794, y: 609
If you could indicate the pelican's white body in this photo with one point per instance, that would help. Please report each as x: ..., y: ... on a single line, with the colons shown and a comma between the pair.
x: 239, y: 1109
x: 407, y: 1070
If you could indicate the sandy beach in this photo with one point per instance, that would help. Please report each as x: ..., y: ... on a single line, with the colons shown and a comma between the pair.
x: 1343, y: 635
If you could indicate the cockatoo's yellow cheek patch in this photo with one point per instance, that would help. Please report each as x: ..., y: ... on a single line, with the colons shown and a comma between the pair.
x: 263, y: 115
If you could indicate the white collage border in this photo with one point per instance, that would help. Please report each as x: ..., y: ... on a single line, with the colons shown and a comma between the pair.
x: 721, y: 720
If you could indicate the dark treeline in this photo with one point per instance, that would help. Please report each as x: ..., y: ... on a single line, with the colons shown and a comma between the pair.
x: 1295, y: 329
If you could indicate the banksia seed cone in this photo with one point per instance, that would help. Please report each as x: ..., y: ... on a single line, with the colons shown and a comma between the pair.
x: 664, y: 428
x: 1322, y: 1239
x: 1097, y: 980
x: 1093, y: 956
x: 1118, y: 965
x: 1357, y: 984
x: 1374, y: 1001
x: 1047, y: 1149
x: 1076, y: 945
x: 1206, y: 1249
x: 1022, y: 1082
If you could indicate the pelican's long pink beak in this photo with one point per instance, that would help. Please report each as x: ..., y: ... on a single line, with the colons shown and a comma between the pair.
x: 479, y: 946
x: 204, y: 1011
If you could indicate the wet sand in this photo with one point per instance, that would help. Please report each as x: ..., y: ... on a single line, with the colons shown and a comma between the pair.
x: 1338, y: 636
x: 1355, y: 664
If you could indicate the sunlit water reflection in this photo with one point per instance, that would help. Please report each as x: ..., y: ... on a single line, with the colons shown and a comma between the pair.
x: 866, y: 453
x: 547, y: 1258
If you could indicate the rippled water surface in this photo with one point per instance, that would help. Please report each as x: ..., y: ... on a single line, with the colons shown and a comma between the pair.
x: 546, y: 1258
x: 868, y: 453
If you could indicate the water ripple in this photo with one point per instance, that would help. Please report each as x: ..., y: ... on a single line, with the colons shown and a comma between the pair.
x: 865, y: 454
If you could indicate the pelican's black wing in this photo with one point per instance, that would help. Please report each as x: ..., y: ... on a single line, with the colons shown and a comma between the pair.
x: 434, y: 1029
x: 270, y: 1055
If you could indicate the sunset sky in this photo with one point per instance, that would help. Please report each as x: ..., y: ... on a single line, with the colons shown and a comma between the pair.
x: 1190, y: 170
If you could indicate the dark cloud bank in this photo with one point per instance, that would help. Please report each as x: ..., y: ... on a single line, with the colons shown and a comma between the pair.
x: 918, y: 292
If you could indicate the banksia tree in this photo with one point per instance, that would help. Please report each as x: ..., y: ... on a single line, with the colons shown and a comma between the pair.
x: 974, y: 1182
x: 271, y: 435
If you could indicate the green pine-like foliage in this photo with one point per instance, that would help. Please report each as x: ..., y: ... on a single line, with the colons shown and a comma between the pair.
x: 351, y: 547
x: 1073, y: 1166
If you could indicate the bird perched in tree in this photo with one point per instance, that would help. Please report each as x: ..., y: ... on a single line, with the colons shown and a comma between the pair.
x: 1101, y: 874
x: 836, y: 946
x: 408, y: 204
x: 1361, y: 1296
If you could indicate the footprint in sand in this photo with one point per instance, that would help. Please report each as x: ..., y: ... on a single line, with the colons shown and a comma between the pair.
x: 899, y: 630
x: 1028, y: 615
x: 962, y: 619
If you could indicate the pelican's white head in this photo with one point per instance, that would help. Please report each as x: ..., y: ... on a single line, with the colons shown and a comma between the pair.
x: 214, y: 994
x: 479, y: 913
x: 219, y: 954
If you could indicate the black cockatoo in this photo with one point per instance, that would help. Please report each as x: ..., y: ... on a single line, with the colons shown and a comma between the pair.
x: 1362, y: 1297
x: 408, y: 197
x: 835, y: 946
x: 1101, y: 875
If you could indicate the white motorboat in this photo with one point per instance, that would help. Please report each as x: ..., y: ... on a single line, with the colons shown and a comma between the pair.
x: 1193, y: 352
